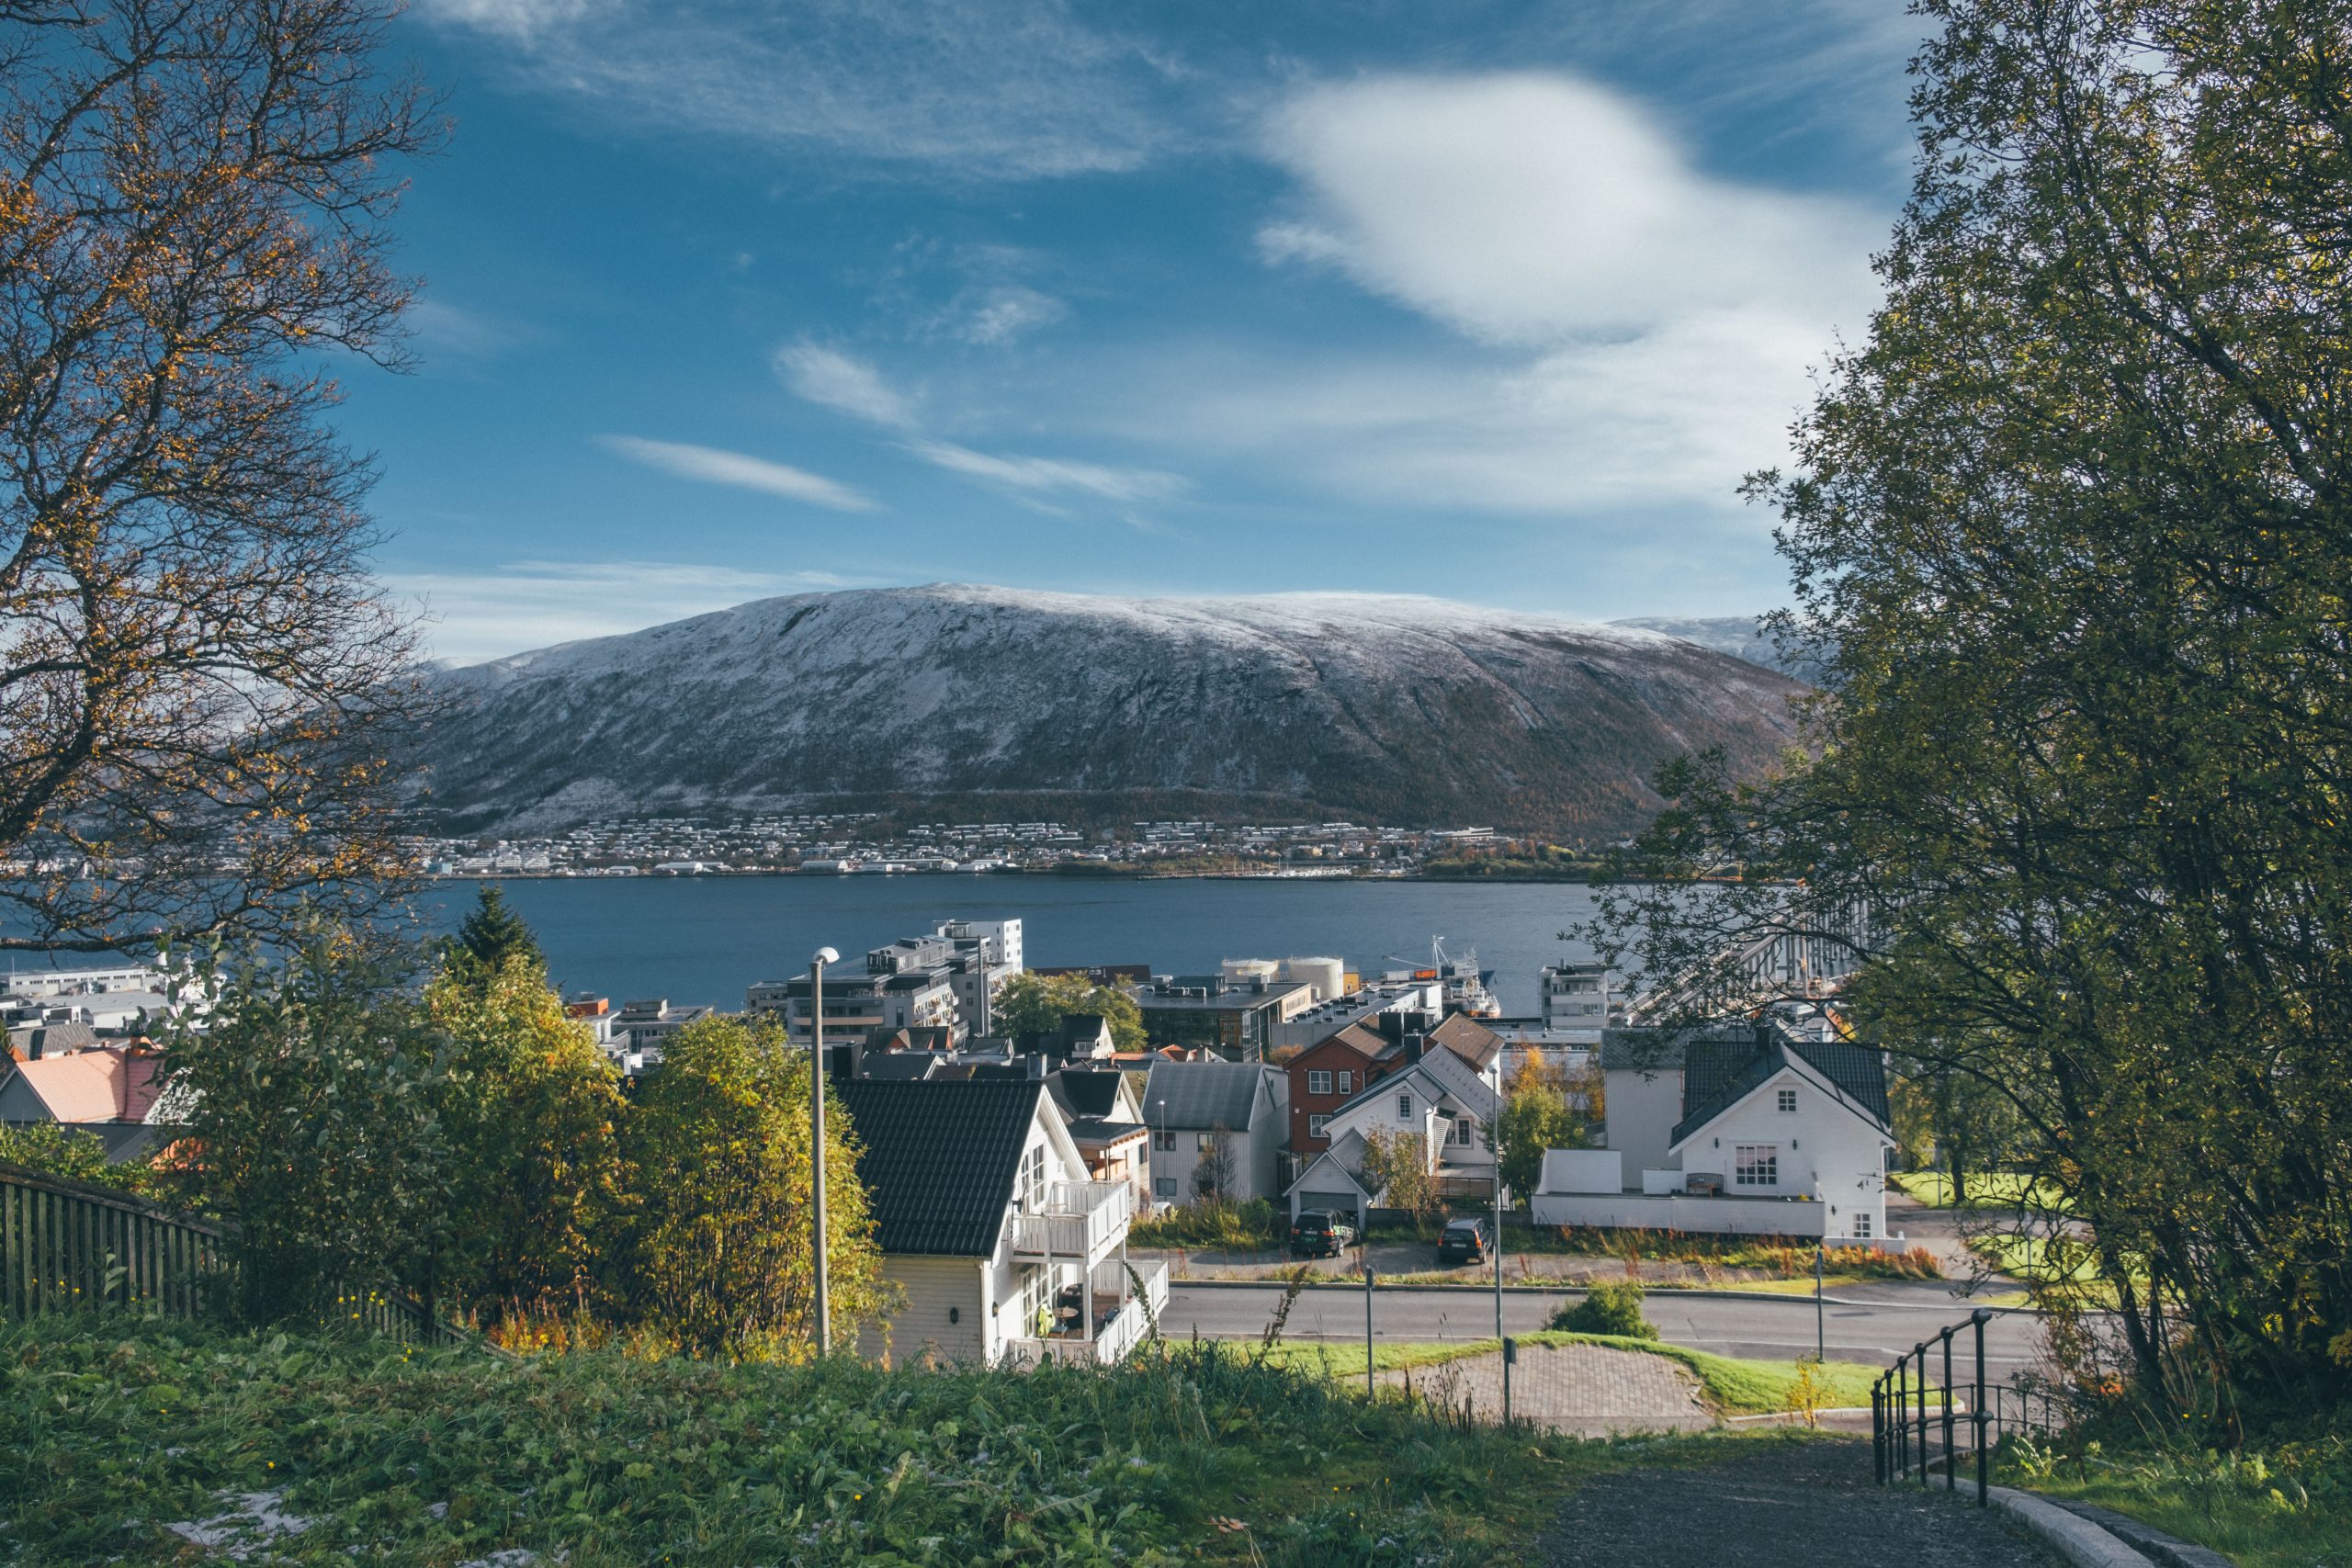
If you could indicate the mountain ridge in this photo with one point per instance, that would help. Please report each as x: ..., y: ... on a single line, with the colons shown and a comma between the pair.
x: 1394, y: 709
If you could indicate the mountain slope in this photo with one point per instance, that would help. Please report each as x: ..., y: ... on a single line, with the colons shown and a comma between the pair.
x: 990, y: 702
x: 1742, y: 636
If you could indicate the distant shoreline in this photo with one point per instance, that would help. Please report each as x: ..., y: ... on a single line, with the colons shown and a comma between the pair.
x: 1563, y: 878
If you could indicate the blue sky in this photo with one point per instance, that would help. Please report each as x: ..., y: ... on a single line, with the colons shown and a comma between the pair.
x: 1493, y: 302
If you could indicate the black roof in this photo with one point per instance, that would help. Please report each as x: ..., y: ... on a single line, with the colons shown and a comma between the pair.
x: 1085, y: 1091
x: 1718, y: 1069
x: 940, y: 1159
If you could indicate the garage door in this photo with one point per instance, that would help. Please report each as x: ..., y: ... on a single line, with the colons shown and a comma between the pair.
x: 1340, y: 1203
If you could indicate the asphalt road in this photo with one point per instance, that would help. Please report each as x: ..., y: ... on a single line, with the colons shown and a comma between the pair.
x: 1872, y: 1329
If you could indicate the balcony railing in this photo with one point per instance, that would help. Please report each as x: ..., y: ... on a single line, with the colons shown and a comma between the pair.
x: 1121, y: 1318
x: 1076, y: 1219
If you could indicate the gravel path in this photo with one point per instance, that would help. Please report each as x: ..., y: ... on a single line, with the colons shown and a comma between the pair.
x: 1779, y: 1505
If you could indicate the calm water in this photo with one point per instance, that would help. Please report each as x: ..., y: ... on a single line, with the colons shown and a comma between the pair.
x: 704, y: 939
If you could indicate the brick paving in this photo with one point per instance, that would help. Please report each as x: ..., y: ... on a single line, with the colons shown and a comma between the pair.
x: 1589, y: 1390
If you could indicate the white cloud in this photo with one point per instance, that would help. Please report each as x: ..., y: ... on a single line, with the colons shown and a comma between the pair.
x: 829, y: 377
x: 988, y: 89
x: 524, y: 604
x: 1000, y: 315
x: 1050, y: 475
x: 1529, y: 209
x: 712, y: 466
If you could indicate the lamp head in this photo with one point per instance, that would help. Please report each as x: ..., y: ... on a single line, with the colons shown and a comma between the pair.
x: 824, y: 955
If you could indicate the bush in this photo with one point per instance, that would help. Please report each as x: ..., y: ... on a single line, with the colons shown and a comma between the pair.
x: 1608, y: 1309
x: 1218, y: 1223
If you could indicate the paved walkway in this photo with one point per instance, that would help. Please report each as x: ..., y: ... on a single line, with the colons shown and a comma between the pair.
x: 1586, y: 1389
x: 1770, y: 1505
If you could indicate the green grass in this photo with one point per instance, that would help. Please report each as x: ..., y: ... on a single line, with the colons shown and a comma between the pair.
x: 1737, y: 1387
x: 2280, y: 1504
x: 115, y: 1427
x: 1986, y: 1189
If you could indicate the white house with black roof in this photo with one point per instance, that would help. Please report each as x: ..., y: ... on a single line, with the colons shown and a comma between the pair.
x: 1192, y: 1108
x: 987, y: 1220
x: 1745, y: 1129
x: 1437, y: 1097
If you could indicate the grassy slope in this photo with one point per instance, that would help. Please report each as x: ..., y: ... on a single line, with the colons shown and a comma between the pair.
x: 2287, y: 1506
x: 115, y: 1427
x: 1986, y: 1189
x: 1738, y: 1387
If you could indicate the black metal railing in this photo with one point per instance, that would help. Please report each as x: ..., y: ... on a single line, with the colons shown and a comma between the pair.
x: 1909, y: 1414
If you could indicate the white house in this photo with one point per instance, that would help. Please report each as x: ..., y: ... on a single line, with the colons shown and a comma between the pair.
x: 1438, y: 1098
x: 1747, y: 1130
x: 1006, y: 1252
x: 1192, y: 1107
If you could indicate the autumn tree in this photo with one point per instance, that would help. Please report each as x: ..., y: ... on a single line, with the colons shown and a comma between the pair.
x: 1539, y: 1113
x: 720, y: 1144
x: 1031, y: 1002
x: 1398, y: 1164
x: 531, y: 1114
x: 2071, y: 532
x: 198, y: 685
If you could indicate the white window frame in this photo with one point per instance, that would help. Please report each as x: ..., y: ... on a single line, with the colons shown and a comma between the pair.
x: 1464, y: 1130
x: 1788, y: 1101
x: 1756, y: 1164
x: 1861, y: 1226
x: 1347, y: 1081
x: 1315, y: 1125
x: 1404, y: 1108
x: 1318, y: 1080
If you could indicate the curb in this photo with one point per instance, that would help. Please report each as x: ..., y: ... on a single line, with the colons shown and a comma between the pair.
x: 1573, y: 1288
x: 2076, y: 1539
x: 2149, y: 1541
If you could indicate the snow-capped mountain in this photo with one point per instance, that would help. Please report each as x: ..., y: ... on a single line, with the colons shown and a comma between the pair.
x: 1742, y: 636
x: 1406, y: 711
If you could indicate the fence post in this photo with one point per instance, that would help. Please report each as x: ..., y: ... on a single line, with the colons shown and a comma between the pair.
x: 1976, y: 1406
x: 1878, y: 1435
x: 1511, y: 1359
x: 1920, y: 1349
x: 1368, y: 1389
x: 1902, y: 1414
x: 1952, y: 1461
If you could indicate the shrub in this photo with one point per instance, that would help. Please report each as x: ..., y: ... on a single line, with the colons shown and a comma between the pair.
x: 1608, y: 1309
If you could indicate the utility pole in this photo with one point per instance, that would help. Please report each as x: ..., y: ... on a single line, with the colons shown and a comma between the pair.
x: 817, y: 963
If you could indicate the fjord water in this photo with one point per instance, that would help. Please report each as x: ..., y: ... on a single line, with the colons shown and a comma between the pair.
x: 704, y: 939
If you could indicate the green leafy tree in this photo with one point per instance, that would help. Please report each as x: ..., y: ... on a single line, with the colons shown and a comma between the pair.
x: 532, y: 1112
x: 720, y: 1146
x: 309, y: 1103
x: 491, y: 935
x: 1538, y: 1114
x: 1033, y: 1001
x: 1399, y: 1163
x: 76, y: 1154
x: 2071, y: 533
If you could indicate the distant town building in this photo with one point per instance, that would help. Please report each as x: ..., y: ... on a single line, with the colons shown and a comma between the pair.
x: 1203, y: 1009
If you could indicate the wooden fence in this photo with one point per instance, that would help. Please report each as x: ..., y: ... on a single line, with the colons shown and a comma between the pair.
x: 66, y: 1245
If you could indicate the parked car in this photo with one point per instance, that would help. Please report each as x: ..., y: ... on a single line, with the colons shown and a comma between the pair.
x: 1466, y: 1241
x: 1315, y: 1234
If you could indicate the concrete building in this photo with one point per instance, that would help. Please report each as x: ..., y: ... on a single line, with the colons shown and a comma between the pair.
x: 1238, y: 1020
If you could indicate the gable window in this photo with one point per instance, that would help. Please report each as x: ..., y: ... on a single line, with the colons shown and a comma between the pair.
x: 1318, y: 1080
x: 1347, y: 1081
x: 1788, y: 1099
x: 1164, y: 1140
x: 1756, y: 1164
x: 1404, y: 1108
x: 1463, y: 1130
x: 1202, y: 1140
x: 1315, y: 1125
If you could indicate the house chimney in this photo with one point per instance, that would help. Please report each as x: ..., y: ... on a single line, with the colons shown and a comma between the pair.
x: 1415, y: 1043
x: 845, y: 1061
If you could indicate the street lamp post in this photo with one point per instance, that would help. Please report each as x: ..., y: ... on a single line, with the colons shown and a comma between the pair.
x: 817, y: 963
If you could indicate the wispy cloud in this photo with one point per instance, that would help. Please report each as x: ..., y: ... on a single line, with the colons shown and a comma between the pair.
x: 1050, y: 475
x: 1000, y: 314
x: 830, y: 377
x: 712, y: 466
x: 985, y: 88
x: 474, y: 616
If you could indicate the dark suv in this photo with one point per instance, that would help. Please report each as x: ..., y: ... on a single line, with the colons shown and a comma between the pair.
x: 1466, y: 1241
x: 1315, y: 1234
